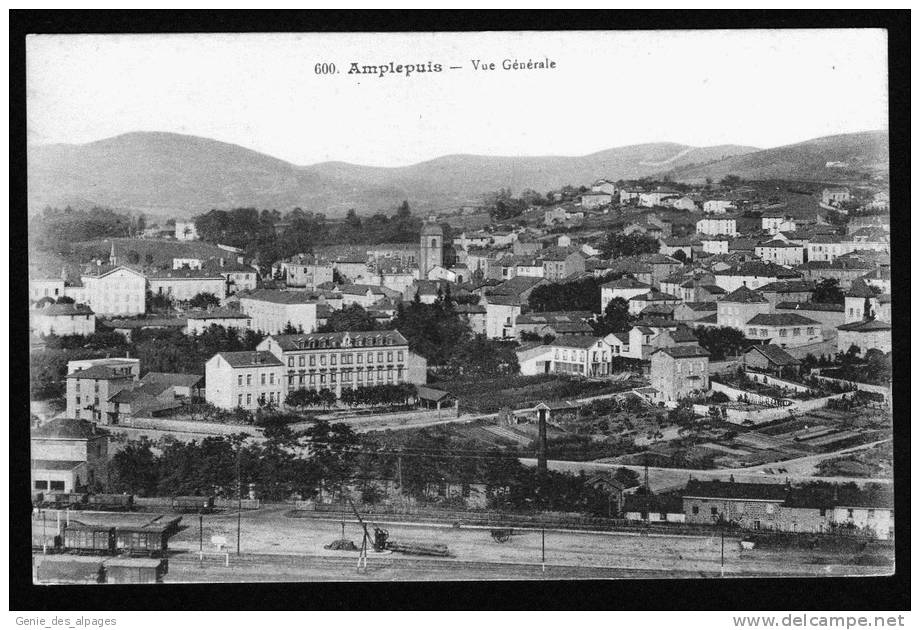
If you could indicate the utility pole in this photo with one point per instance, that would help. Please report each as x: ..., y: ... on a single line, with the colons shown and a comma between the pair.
x: 541, y: 445
x: 722, y: 570
x: 200, y: 536
x: 239, y: 499
x: 543, y: 548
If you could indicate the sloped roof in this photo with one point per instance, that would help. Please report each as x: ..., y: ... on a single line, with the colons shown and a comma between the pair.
x: 336, y: 339
x: 774, y: 354
x: 172, y: 379
x: 788, y: 286
x: 250, y: 358
x: 68, y: 429
x: 576, y: 341
x: 781, y: 319
x: 871, y: 325
x: 61, y: 310
x: 744, y: 295
x: 276, y: 296
x: 734, y: 490
x: 684, y: 352
x: 626, y: 282
x: 810, y: 306
x: 701, y: 306
x: 217, y: 313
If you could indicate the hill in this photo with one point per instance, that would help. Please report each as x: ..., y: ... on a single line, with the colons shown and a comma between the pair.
x: 179, y: 175
x: 858, y: 155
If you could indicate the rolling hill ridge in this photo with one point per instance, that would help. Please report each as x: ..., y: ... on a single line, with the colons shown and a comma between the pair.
x: 179, y: 175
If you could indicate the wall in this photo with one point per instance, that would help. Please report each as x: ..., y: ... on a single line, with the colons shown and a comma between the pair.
x: 734, y: 393
x: 188, y: 426
x: 777, y: 382
x: 866, y: 387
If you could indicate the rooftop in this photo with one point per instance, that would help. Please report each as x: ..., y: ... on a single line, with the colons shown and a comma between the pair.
x: 684, y: 352
x: 774, y: 354
x: 781, y: 319
x: 68, y: 429
x: 744, y: 295
x: 733, y: 490
x: 338, y: 340
x: 250, y: 358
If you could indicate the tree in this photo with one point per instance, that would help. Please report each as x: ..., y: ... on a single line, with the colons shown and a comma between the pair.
x: 731, y: 181
x: 133, y: 469
x: 619, y: 244
x: 828, y: 292
x: 721, y: 341
x: 204, y: 300
x: 64, y: 299
x: 616, y: 318
x: 133, y: 257
x: 349, y: 318
x: 679, y: 255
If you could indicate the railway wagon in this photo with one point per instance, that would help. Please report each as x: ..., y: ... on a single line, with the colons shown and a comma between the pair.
x: 61, y: 569
x: 61, y: 500
x: 135, y: 570
x: 89, y: 539
x: 148, y: 540
x: 203, y: 505
x: 45, y: 534
x: 110, y: 502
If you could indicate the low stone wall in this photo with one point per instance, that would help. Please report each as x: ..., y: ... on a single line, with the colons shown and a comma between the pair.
x: 766, y: 379
x: 866, y: 387
x: 388, y: 419
x: 187, y: 426
x: 734, y: 393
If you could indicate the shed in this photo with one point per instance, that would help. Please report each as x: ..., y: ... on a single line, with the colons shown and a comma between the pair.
x: 432, y: 398
x: 770, y: 358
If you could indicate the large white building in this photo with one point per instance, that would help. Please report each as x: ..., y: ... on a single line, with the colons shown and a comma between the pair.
x: 342, y: 360
x: 272, y: 311
x: 781, y: 252
x: 716, y: 226
x: 579, y: 355
x: 115, y: 291
x: 181, y: 285
x: 244, y: 379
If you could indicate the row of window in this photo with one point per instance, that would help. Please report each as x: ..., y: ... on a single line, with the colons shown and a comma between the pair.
x: 55, y: 485
x: 783, y: 332
x: 347, y: 358
x: 273, y: 397
x: 346, y: 376
x: 271, y: 379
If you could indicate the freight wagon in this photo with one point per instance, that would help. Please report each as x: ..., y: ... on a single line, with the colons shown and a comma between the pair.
x: 67, y: 570
x: 203, y: 505
x: 150, y: 540
x: 89, y: 539
x: 110, y: 502
x: 62, y: 500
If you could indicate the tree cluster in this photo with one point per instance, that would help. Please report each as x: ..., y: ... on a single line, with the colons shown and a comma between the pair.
x: 619, y: 245
x: 721, y: 341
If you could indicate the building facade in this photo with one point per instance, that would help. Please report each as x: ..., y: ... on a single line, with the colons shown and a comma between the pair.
x: 245, y: 380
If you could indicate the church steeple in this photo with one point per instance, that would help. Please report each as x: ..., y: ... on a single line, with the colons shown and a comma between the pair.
x: 112, y: 259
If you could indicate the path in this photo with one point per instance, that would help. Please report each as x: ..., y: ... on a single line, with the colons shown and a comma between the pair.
x: 798, y: 469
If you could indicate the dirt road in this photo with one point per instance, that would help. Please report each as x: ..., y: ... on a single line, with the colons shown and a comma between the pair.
x: 798, y: 469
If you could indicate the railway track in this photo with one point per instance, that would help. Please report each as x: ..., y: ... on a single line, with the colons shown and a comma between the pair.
x: 380, y: 566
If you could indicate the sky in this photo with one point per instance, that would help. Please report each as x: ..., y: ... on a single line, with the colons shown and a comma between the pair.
x: 609, y: 89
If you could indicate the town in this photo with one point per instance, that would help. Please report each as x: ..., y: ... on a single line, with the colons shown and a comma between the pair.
x: 625, y: 356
